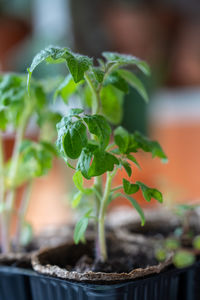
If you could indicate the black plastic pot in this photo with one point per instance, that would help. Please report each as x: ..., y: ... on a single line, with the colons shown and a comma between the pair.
x: 190, y: 283
x: 174, y: 284
x: 15, y: 283
x: 163, y: 286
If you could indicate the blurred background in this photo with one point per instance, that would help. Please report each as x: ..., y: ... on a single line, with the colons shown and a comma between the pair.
x: 165, y: 33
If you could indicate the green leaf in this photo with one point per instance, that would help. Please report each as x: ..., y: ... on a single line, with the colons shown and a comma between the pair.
x: 123, y: 60
x: 78, y: 181
x: 161, y: 254
x: 149, y: 193
x: 99, y: 74
x: 67, y: 88
x: 134, y: 82
x: 102, y: 162
x: 136, y: 206
x: 35, y: 160
x: 49, y: 147
x: 72, y: 137
x: 98, y: 126
x: 172, y: 244
x: 129, y: 188
x: 84, y: 162
x: 183, y: 259
x: 121, y: 137
x: 149, y: 146
x: 75, y: 112
x: 77, y: 64
x: 112, y: 104
x: 133, y: 159
x: 127, y: 167
x: 81, y: 227
x: 76, y: 199
x: 118, y: 81
x: 12, y: 99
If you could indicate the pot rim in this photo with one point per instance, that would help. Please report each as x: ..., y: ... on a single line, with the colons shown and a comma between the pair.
x: 90, y: 276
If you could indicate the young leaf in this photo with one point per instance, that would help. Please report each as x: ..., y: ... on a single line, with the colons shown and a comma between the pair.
x: 133, y: 159
x: 161, y: 254
x: 112, y: 102
x: 123, y: 60
x: 130, y: 188
x: 66, y: 89
x: 78, y: 181
x: 149, y: 193
x: 136, y: 206
x: 72, y: 137
x: 127, y: 167
x: 172, y: 244
x: 118, y: 81
x: 53, y: 53
x: 99, y: 74
x: 84, y: 162
x: 81, y: 227
x: 134, y: 82
x: 75, y: 111
x: 183, y: 259
x: 76, y: 199
x: 77, y: 64
x: 121, y: 137
x: 98, y: 126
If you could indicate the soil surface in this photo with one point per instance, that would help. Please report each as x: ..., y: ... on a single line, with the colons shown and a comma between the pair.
x: 80, y: 258
x: 153, y: 229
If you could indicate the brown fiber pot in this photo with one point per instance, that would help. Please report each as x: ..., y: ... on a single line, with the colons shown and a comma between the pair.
x: 47, y: 261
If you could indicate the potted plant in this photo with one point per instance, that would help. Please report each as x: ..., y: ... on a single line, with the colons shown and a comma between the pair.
x: 96, y: 152
x: 29, y: 159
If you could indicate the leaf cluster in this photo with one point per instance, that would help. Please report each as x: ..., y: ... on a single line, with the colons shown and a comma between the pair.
x: 110, y: 79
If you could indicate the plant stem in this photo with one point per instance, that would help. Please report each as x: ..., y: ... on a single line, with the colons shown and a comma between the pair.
x: 4, y: 232
x: 119, y: 187
x: 101, y: 220
x: 95, y: 97
x: 2, y: 189
x: 22, y: 212
x: 13, y: 169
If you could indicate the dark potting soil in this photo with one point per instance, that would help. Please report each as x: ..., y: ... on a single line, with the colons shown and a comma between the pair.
x: 153, y: 229
x: 24, y: 263
x: 80, y: 258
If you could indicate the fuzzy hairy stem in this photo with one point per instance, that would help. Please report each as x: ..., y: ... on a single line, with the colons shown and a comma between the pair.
x: 10, y: 199
x: 2, y: 188
x: 101, y: 219
x: 21, y: 213
x: 5, y: 246
x: 95, y: 97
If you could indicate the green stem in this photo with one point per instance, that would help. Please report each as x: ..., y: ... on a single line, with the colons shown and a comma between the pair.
x: 21, y: 214
x: 4, y: 219
x: 95, y: 97
x: 101, y: 220
x: 2, y: 188
x: 14, y: 167
x: 119, y: 187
